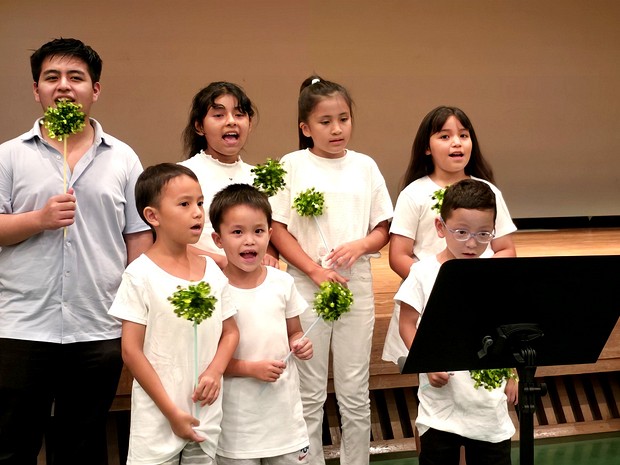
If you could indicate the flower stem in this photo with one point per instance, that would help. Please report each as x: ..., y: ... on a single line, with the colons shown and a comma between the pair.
x: 316, y: 220
x: 304, y: 335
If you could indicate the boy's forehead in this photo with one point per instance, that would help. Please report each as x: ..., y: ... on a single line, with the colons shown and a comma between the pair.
x: 64, y: 63
x: 465, y: 214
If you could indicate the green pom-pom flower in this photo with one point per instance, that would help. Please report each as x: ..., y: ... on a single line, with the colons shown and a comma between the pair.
x: 309, y: 203
x: 66, y: 119
x: 491, y: 379
x: 438, y: 198
x: 332, y: 300
x: 269, y: 177
x: 194, y: 303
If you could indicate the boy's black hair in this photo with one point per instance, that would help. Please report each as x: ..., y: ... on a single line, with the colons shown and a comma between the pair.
x: 237, y: 194
x: 152, y: 181
x: 70, y: 48
x: 311, y: 92
x: 193, y: 142
x: 470, y: 194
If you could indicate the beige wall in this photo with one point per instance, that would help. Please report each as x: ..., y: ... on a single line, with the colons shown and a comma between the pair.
x: 539, y: 79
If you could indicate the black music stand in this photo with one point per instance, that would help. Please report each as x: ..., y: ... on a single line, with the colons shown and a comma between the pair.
x: 518, y: 312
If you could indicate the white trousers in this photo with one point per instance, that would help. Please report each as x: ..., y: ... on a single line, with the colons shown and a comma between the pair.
x: 350, y: 341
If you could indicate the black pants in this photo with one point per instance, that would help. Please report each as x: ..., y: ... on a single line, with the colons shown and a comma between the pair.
x: 78, y: 379
x: 441, y: 448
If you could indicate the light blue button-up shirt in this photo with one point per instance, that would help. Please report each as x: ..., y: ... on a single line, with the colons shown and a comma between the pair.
x: 57, y: 288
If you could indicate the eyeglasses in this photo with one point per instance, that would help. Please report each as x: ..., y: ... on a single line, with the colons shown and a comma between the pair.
x: 462, y: 235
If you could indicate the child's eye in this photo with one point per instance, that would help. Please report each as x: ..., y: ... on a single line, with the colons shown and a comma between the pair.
x: 201, y: 203
x: 259, y: 231
x: 344, y: 119
x: 465, y: 135
x: 444, y: 137
x: 184, y: 204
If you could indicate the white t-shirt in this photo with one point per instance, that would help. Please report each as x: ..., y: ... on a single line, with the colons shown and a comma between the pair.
x: 414, y: 218
x: 264, y: 419
x: 213, y: 176
x: 356, y: 199
x: 458, y: 407
x: 169, y: 346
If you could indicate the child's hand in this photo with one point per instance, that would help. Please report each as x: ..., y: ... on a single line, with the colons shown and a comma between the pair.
x: 319, y: 275
x: 302, y: 348
x: 345, y: 255
x: 270, y: 260
x: 268, y: 370
x: 512, y: 391
x: 438, y: 379
x: 182, y: 424
x: 209, y: 384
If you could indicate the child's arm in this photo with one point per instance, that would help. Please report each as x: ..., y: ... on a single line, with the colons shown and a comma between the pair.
x: 132, y: 343
x: 407, y: 323
x: 503, y: 246
x: 295, y: 255
x: 137, y: 244
x: 209, y: 381
x: 263, y: 370
x: 401, y: 254
x: 345, y: 255
x: 301, y: 347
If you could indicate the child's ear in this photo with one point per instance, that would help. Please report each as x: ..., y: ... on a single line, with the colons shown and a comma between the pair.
x: 217, y: 239
x: 198, y: 128
x: 440, y: 228
x: 305, y: 129
x: 151, y: 216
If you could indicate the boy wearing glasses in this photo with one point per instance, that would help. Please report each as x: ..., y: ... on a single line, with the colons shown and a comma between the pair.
x: 452, y: 412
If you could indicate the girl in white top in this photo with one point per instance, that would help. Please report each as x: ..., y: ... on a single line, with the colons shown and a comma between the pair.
x: 220, y: 122
x: 355, y: 225
x: 445, y: 150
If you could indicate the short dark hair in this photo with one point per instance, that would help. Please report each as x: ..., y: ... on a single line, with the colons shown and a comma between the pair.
x: 470, y: 194
x: 312, y: 91
x: 72, y: 48
x: 152, y: 181
x: 193, y: 143
x: 237, y: 194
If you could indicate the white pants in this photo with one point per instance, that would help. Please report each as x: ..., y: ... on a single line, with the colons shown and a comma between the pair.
x: 350, y: 340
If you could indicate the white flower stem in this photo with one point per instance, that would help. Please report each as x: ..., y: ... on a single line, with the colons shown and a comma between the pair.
x: 321, y: 234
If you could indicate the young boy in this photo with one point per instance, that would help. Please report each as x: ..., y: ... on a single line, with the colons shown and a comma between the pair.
x: 452, y: 413
x: 263, y: 419
x: 157, y: 345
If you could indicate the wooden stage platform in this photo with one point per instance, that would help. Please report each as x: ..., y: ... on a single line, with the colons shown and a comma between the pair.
x: 582, y: 399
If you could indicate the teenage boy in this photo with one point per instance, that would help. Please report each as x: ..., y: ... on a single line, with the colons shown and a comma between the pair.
x: 62, y: 255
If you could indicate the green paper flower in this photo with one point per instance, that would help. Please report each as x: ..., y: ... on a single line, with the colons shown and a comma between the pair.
x: 66, y: 119
x: 269, y: 177
x: 194, y: 303
x: 491, y: 379
x: 332, y: 300
x: 438, y: 198
x: 309, y: 203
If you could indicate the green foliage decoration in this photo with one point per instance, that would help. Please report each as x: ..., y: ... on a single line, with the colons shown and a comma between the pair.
x: 194, y: 303
x: 269, y: 177
x: 492, y: 379
x: 438, y: 198
x: 309, y: 203
x: 332, y: 300
x: 66, y: 119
